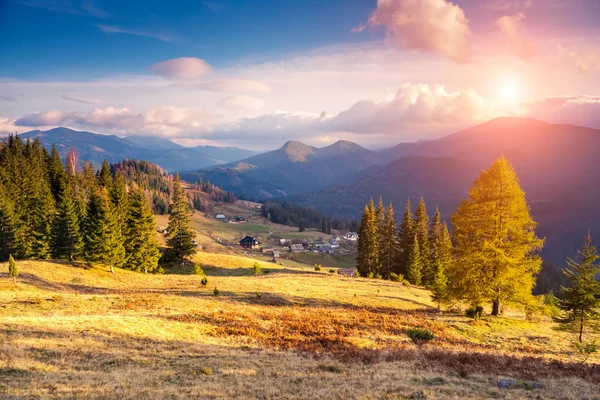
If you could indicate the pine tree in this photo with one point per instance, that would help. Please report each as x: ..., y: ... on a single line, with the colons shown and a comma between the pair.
x: 181, y: 233
x: 104, y: 176
x: 120, y: 200
x: 441, y: 261
x: 422, y: 232
x: 8, y: 244
x: 141, y: 246
x: 368, y: 243
x: 388, y: 242
x: 56, y: 173
x: 13, y: 271
x: 415, y: 264
x: 581, y: 300
x: 323, y: 225
x: 405, y: 239
x: 435, y: 232
x: 67, y: 240
x: 103, y: 240
x: 496, y: 243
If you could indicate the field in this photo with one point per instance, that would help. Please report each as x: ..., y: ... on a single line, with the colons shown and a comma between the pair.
x: 290, y: 332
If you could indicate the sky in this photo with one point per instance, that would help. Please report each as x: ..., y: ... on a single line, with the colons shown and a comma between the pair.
x: 255, y: 74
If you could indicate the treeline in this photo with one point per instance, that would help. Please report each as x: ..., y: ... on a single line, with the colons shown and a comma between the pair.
x: 490, y: 256
x: 287, y: 213
x: 157, y: 184
x: 51, y: 210
x: 217, y: 193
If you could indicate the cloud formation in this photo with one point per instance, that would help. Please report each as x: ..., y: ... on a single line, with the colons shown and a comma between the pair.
x: 428, y: 25
x: 241, y: 102
x: 587, y: 60
x: 81, y: 99
x: 115, y: 29
x: 578, y: 110
x: 160, y: 121
x: 181, y: 68
x: 234, y: 86
x: 514, y: 30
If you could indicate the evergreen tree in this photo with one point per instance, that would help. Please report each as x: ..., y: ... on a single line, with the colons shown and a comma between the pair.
x: 422, y: 232
x: 56, y: 173
x: 388, y: 242
x: 435, y: 232
x: 180, y: 228
x: 8, y: 245
x: 103, y: 240
x: 120, y: 200
x: 405, y: 239
x: 581, y: 300
x: 441, y: 261
x: 496, y: 243
x: 415, y: 264
x: 67, y: 240
x: 141, y: 246
x: 104, y: 176
x: 323, y: 225
x: 368, y: 243
x: 13, y: 271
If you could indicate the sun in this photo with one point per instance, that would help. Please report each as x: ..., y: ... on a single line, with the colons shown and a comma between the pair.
x: 508, y: 90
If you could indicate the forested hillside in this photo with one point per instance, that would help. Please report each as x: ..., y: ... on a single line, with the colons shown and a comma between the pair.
x: 51, y: 210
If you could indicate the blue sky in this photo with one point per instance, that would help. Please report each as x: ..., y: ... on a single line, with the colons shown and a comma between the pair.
x: 258, y: 73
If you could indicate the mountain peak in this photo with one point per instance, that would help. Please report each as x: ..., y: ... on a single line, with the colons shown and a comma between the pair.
x: 297, y: 151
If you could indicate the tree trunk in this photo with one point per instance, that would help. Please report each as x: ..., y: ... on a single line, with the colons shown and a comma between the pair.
x: 581, y: 327
x: 15, y: 279
x: 112, y: 270
x: 496, y: 307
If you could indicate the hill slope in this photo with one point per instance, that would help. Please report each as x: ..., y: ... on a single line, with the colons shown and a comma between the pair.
x: 170, y: 156
x: 294, y: 168
x: 72, y: 332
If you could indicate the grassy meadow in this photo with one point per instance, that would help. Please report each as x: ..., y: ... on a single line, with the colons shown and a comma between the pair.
x: 290, y: 332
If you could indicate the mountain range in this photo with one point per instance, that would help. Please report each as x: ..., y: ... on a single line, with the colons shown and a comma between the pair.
x: 170, y: 156
x: 558, y: 167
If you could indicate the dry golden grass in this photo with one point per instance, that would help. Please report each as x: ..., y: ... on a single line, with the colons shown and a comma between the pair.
x: 69, y: 332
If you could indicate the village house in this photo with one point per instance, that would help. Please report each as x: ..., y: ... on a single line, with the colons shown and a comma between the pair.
x: 282, y: 242
x: 221, y: 217
x: 266, y: 250
x: 352, y: 236
x: 296, y: 248
x: 249, y: 242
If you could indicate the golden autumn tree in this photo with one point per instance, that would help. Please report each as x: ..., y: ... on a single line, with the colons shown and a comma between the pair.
x: 496, y: 245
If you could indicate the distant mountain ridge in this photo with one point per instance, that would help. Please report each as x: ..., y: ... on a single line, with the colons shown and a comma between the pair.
x: 170, y: 156
x: 294, y: 168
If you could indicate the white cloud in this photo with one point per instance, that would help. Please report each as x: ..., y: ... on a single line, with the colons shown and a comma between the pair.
x: 159, y: 121
x: 181, y: 68
x: 578, y: 110
x: 234, y: 86
x: 115, y: 29
x: 81, y: 99
x: 585, y: 60
x: 514, y: 30
x: 241, y: 102
x: 429, y: 25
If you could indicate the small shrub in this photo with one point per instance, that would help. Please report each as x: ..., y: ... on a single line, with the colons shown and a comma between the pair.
x: 57, y: 298
x: 258, y: 294
x: 13, y: 271
x: 204, y: 281
x: 198, y: 269
x: 356, y: 274
x: 318, y: 267
x: 256, y: 268
x: 475, y: 312
x: 587, y: 349
x: 396, y: 277
x: 420, y: 337
x: 406, y: 283
x: 370, y: 275
x: 332, y: 271
x: 205, y: 371
x: 216, y: 291
x: 378, y: 276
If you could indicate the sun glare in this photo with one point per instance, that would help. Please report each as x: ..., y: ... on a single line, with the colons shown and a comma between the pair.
x: 508, y: 90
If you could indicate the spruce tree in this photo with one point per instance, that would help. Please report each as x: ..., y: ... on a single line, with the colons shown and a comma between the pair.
x: 180, y: 231
x: 581, y: 300
x: 141, y: 246
x: 104, y: 176
x: 56, y: 173
x: 8, y: 244
x: 496, y: 243
x: 103, y: 240
x: 368, y: 243
x: 120, y: 200
x: 13, y: 271
x: 67, y: 240
x: 422, y: 233
x: 441, y: 261
x: 415, y: 264
x: 388, y: 242
x: 405, y: 239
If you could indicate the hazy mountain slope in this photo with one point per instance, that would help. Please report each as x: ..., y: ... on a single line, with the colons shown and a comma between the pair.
x: 294, y: 168
x: 170, y: 156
